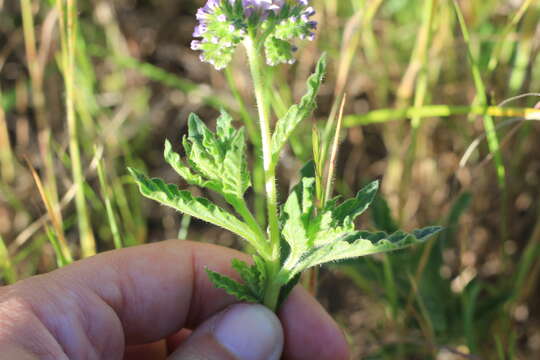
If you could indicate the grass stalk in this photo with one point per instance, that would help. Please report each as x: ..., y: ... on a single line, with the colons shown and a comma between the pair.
x: 524, y: 52
x: 106, y: 195
x: 333, y: 154
x: 68, y: 38
x: 184, y: 227
x: 38, y: 102
x: 59, y: 243
x: 7, y: 160
x: 9, y: 274
x: 420, y: 57
x: 162, y: 76
x: 481, y: 95
x: 489, y: 125
x: 428, y: 111
x: 499, y: 46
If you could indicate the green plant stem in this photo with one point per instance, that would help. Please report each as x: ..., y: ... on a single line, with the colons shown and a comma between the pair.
x: 251, y: 126
x: 386, y: 115
x: 272, y: 290
x: 106, y: 194
x: 241, y: 207
x: 481, y: 97
x: 88, y: 245
x: 8, y: 272
x: 7, y: 158
x: 38, y: 101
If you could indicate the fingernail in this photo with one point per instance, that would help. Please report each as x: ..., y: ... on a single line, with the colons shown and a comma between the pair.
x: 250, y: 332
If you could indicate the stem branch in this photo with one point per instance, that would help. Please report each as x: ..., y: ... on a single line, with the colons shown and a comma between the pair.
x: 272, y: 289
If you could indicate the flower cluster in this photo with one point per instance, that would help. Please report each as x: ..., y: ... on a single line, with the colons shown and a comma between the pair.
x: 223, y: 24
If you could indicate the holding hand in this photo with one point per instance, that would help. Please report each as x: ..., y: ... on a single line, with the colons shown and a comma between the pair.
x: 138, y: 303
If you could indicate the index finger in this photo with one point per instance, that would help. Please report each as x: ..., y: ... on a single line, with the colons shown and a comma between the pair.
x: 155, y: 290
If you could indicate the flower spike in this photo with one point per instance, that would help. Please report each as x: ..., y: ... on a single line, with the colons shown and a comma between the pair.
x: 223, y: 24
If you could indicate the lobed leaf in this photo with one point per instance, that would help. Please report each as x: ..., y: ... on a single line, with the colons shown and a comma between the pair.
x: 198, y: 207
x: 219, y: 159
x: 296, y: 113
x: 232, y: 287
x: 352, y: 208
x: 362, y: 243
x: 296, y: 215
x: 252, y: 275
x: 173, y: 159
x: 316, y: 236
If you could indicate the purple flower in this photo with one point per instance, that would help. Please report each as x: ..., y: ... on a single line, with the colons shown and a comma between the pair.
x: 221, y: 27
x: 261, y: 7
x: 200, y: 30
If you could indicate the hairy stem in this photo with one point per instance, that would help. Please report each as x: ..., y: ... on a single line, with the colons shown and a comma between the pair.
x: 272, y: 290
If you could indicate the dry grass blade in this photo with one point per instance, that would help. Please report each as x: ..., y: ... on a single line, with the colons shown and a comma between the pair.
x: 53, y: 214
x: 334, y: 152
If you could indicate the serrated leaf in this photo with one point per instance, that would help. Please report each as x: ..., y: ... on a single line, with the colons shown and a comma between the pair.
x: 382, y: 215
x: 352, y: 208
x: 203, y: 150
x: 235, y: 174
x: 296, y: 113
x: 224, y: 128
x: 287, y: 288
x: 361, y: 243
x: 198, y: 207
x: 218, y: 159
x: 173, y: 159
x: 296, y: 216
x: 261, y: 270
x: 232, y: 287
x: 251, y: 277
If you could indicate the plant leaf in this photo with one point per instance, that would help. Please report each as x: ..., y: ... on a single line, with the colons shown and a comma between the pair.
x: 232, y: 287
x: 251, y: 276
x: 218, y: 159
x: 352, y: 208
x: 296, y: 113
x: 173, y: 159
x: 201, y: 208
x: 261, y: 271
x: 296, y: 216
x: 235, y: 173
x: 361, y: 243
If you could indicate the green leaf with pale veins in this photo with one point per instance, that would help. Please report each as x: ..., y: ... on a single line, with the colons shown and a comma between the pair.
x: 362, y: 243
x: 352, y: 208
x: 296, y: 216
x: 252, y: 276
x: 183, y: 170
x: 217, y: 160
x: 235, y: 173
x: 296, y: 113
x: 317, y: 236
x: 241, y: 291
x: 198, y: 207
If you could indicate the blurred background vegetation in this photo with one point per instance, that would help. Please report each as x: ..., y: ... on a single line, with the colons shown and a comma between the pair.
x: 440, y: 106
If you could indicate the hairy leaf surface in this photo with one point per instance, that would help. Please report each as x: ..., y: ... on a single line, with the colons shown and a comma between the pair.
x: 198, y: 207
x: 296, y: 113
x: 317, y: 236
x: 241, y: 291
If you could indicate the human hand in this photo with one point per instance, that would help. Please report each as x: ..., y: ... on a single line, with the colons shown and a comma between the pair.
x: 137, y: 303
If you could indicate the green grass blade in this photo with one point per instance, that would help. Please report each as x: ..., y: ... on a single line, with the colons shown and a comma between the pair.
x: 106, y: 195
x: 8, y: 272
x: 489, y: 126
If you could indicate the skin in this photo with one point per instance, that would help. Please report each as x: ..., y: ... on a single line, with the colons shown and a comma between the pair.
x: 138, y: 303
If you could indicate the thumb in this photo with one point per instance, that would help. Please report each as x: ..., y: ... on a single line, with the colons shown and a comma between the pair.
x: 240, y: 332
